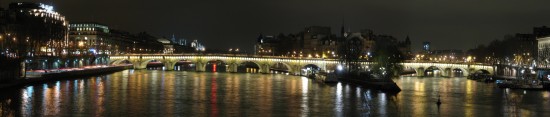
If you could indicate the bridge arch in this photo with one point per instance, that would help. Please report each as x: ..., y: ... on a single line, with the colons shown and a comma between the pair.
x: 436, y: 70
x: 419, y: 71
x: 183, y: 65
x: 482, y: 70
x: 237, y: 66
x: 286, y: 65
x: 215, y: 65
x: 119, y: 61
x: 464, y: 71
x: 143, y: 64
x: 317, y: 63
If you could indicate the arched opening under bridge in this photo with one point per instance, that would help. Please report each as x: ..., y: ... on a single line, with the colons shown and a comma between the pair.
x: 216, y: 66
x: 185, y: 65
x: 248, y: 67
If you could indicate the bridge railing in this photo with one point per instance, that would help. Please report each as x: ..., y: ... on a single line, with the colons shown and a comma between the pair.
x: 229, y: 55
x: 286, y: 57
x: 447, y: 62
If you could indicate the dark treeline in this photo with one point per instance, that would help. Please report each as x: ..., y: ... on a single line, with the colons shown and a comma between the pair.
x: 519, y: 47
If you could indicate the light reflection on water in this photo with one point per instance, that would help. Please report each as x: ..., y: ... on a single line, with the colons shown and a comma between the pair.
x: 147, y: 93
x: 305, y: 107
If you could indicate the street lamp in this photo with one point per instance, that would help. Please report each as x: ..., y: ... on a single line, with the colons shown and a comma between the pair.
x: 1, y: 40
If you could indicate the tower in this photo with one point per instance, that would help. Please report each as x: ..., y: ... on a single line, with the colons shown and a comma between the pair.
x: 343, y: 32
x: 174, y: 38
x: 407, y: 40
x: 426, y: 46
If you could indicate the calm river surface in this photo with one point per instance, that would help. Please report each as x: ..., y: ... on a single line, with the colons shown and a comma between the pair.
x: 177, y: 93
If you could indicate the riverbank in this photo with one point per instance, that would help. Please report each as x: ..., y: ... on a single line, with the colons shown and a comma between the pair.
x: 64, y: 75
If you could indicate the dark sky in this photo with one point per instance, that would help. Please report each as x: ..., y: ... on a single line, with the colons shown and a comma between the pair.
x: 448, y: 24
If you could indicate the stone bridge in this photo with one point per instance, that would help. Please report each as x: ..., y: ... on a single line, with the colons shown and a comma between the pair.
x: 294, y: 65
x: 446, y: 69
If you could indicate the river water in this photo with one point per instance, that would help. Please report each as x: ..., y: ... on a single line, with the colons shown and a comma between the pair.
x: 179, y: 93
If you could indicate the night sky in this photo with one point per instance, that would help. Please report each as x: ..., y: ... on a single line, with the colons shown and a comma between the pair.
x: 448, y: 24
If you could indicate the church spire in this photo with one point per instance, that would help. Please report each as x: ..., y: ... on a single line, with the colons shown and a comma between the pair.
x: 173, y: 38
x: 343, y: 29
x: 407, y: 40
x: 260, y: 39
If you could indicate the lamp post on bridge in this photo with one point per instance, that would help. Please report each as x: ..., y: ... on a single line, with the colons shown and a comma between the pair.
x: 230, y: 51
x: 233, y: 51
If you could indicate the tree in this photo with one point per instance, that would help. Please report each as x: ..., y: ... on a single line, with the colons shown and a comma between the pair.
x: 521, y: 47
x: 350, y: 51
x: 387, y: 58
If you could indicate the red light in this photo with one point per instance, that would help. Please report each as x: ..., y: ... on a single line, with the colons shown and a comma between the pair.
x: 214, y: 68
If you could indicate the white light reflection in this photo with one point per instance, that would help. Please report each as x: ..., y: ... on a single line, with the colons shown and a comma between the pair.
x: 506, y: 91
x: 367, y: 104
x: 57, y: 86
x: 57, y: 97
x: 338, y: 103
x: 45, y: 99
x: 75, y: 85
x: 305, y: 107
x: 358, y: 92
x: 26, y: 104
x: 382, y: 102
x: 80, y: 97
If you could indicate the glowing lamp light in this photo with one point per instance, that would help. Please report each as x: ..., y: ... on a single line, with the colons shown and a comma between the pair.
x: 340, y: 68
x: 48, y: 8
x: 93, y: 51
